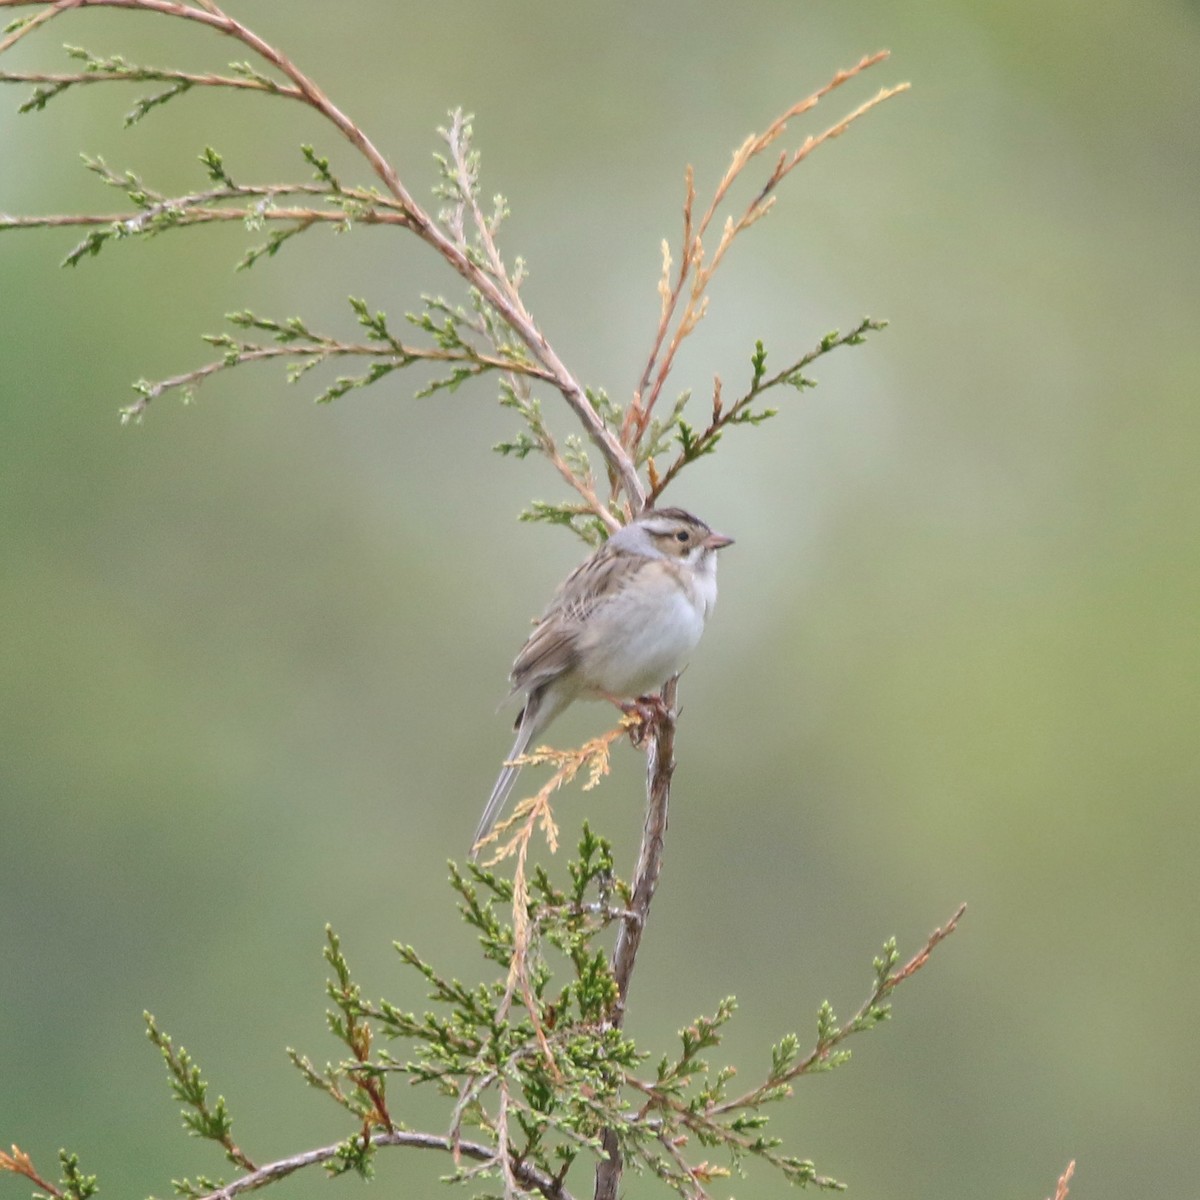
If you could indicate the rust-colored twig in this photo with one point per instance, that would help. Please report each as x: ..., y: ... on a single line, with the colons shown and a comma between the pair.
x: 19, y: 1163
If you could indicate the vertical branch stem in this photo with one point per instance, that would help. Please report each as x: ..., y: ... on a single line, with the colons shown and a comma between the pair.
x: 660, y: 766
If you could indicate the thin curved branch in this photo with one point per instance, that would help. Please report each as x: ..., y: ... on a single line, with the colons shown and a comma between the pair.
x: 151, y: 75
x: 187, y: 214
x: 739, y: 412
x: 527, y: 1175
x: 484, y: 253
x: 319, y: 352
x: 660, y: 767
x: 30, y: 25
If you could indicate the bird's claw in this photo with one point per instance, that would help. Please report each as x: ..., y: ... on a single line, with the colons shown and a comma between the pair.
x: 649, y: 710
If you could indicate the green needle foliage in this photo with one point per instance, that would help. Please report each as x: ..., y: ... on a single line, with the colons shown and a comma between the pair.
x: 533, y: 1077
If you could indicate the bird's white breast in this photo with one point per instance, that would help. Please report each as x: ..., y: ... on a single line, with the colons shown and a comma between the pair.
x: 647, y: 632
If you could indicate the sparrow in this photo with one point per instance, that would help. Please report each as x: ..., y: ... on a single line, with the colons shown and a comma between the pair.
x: 620, y: 625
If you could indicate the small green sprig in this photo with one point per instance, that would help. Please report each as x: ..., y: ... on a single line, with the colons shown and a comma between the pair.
x: 275, y: 240
x: 695, y: 443
x: 200, y: 1118
x: 297, y: 206
x: 473, y: 230
x: 579, y: 519
x: 366, y: 1093
x: 459, y: 336
x: 321, y: 169
x: 117, y: 69
x: 214, y: 164
x: 75, y: 1184
x: 147, y: 104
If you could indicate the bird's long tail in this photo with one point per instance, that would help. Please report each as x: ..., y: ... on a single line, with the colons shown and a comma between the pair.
x: 528, y: 725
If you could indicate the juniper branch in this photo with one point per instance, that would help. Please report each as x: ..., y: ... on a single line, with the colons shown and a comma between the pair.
x: 870, y: 1013
x: 499, y: 296
x: 310, y: 355
x: 61, y: 81
x: 131, y: 223
x: 694, y: 445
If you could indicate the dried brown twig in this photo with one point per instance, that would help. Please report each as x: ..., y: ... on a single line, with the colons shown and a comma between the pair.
x: 19, y: 1163
x: 697, y: 266
x: 534, y: 811
x: 1061, y: 1191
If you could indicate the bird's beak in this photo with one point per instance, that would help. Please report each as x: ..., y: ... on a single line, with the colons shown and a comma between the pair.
x: 716, y: 541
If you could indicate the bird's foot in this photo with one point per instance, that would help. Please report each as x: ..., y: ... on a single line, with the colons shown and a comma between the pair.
x: 649, y: 710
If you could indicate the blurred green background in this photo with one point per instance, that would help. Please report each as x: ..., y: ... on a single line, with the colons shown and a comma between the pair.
x: 251, y: 651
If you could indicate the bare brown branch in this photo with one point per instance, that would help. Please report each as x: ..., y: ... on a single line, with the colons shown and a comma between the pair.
x: 921, y: 957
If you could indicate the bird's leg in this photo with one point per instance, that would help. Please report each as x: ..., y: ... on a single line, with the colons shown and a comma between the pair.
x: 651, y: 707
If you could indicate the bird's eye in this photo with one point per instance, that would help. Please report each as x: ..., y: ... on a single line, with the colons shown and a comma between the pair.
x: 682, y: 535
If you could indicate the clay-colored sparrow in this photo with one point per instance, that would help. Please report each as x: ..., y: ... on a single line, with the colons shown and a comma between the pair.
x: 621, y: 624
